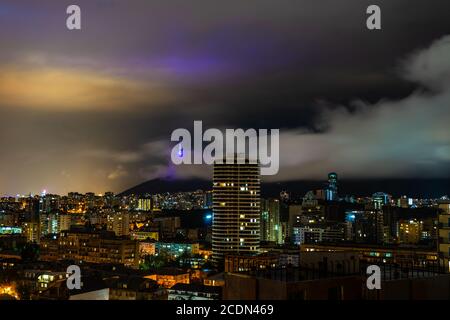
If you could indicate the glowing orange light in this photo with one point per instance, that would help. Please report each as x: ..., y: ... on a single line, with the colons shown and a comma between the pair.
x: 9, y: 290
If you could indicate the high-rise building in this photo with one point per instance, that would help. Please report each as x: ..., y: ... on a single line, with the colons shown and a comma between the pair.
x: 236, y: 207
x: 444, y: 234
x: 295, y: 217
x: 48, y: 224
x: 390, y: 222
x: 33, y: 205
x: 64, y: 222
x: 119, y: 223
x: 48, y: 203
x: 31, y: 231
x: 332, y: 188
x: 367, y: 226
x: 270, y: 221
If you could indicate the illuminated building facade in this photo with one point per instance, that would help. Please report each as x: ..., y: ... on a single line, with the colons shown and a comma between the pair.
x: 119, y: 223
x: 380, y: 199
x: 241, y: 263
x: 305, y: 234
x: 295, y: 218
x: 331, y: 193
x: 147, y: 248
x: 366, y: 226
x: 270, y: 221
x: 410, y: 231
x: 31, y: 231
x: 170, y: 277
x: 175, y: 249
x: 444, y: 234
x: 144, y: 204
x: 145, y: 235
x: 48, y: 224
x: 64, y: 222
x: 91, y: 246
x: 236, y: 207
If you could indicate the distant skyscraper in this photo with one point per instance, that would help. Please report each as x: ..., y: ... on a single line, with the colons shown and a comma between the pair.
x: 332, y: 188
x: 379, y: 200
x: 404, y: 202
x: 236, y: 207
x: 295, y: 214
x: 270, y: 221
x: 309, y: 200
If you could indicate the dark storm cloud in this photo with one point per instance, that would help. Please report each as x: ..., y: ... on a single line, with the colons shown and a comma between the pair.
x: 406, y: 137
x: 93, y: 110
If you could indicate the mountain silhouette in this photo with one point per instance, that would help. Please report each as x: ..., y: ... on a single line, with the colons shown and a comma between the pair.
x: 416, y: 188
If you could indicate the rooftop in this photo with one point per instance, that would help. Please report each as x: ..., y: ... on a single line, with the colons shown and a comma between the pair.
x: 195, y: 288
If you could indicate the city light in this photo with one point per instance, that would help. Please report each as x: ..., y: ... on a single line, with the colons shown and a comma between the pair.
x: 9, y: 290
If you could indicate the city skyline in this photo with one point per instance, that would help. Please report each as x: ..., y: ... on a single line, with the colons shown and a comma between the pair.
x: 92, y: 110
x: 415, y: 188
x: 225, y: 244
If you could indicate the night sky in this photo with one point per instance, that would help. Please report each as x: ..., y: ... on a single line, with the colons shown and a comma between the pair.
x: 93, y: 110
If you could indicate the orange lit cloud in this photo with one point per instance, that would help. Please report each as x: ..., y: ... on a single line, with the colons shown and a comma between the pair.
x: 59, y: 89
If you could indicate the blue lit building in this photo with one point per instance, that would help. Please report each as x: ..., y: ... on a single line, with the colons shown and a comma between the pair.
x: 331, y: 192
